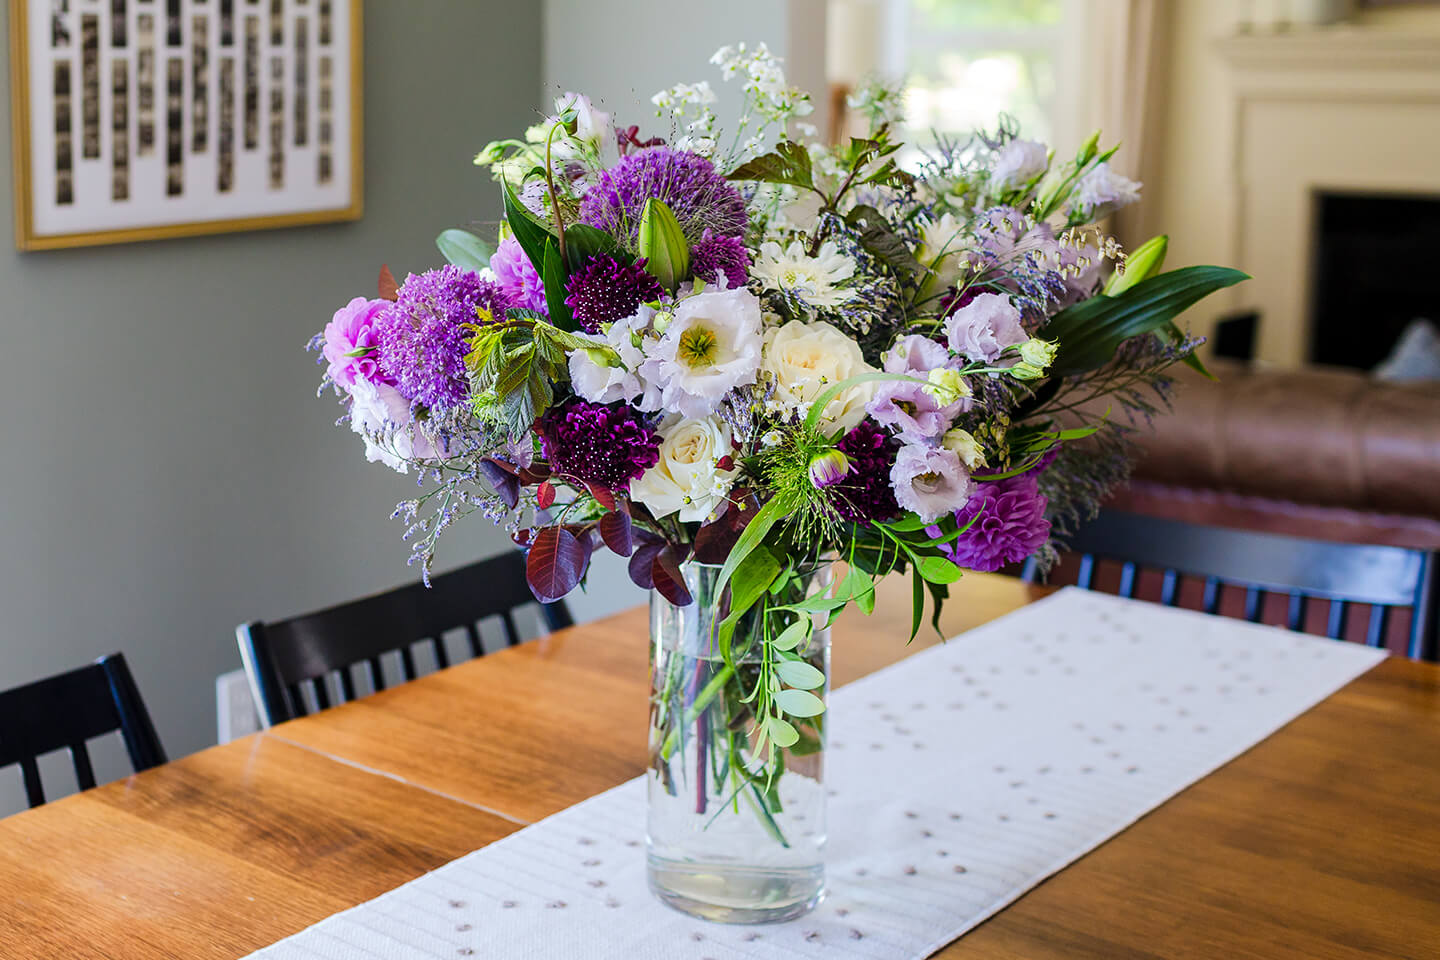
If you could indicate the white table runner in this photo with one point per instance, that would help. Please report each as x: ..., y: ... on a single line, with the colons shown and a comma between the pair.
x: 960, y: 777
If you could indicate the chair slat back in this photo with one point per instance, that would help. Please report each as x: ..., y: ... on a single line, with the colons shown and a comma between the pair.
x: 1341, y: 574
x: 65, y: 711
x: 287, y: 658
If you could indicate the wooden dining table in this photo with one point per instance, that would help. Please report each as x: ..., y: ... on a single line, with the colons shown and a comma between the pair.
x: 1321, y: 842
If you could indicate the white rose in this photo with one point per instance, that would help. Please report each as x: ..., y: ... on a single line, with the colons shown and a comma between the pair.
x: 805, y: 359
x: 688, y: 477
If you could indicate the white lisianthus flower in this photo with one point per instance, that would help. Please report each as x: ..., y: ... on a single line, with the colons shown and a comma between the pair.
x: 381, y: 416
x: 943, y: 246
x: 601, y: 382
x: 1102, y: 191
x: 805, y: 359
x: 964, y: 445
x: 710, y: 346
x: 815, y: 280
x: 1019, y: 162
x: 688, y: 478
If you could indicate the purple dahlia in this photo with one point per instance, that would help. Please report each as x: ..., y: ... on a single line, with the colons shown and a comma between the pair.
x: 606, y: 290
x: 698, y: 194
x: 422, y: 337
x: 714, y: 254
x: 1011, y: 524
x: 608, y: 444
x: 865, y: 494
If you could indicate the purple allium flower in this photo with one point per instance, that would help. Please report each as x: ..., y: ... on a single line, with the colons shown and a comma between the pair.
x: 422, y: 337
x: 518, y: 277
x: 606, y: 290
x: 865, y: 494
x: 1011, y: 527
x: 984, y: 327
x: 699, y: 196
x: 351, y: 329
x: 714, y: 254
x: 605, y: 444
x: 930, y: 481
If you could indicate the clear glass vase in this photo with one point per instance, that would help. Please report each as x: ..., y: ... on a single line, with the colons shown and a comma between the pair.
x: 734, y: 835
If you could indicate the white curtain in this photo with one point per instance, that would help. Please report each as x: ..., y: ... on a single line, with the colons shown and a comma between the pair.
x: 1121, y: 73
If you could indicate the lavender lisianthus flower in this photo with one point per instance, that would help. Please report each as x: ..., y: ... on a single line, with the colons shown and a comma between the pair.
x: 352, y: 329
x: 1011, y: 524
x: 1019, y: 162
x: 1102, y: 191
x: 912, y: 408
x: 698, y: 194
x: 915, y: 356
x: 985, y: 327
x: 422, y: 336
x: 605, y: 290
x: 865, y: 494
x: 517, y: 276
x: 604, y: 444
x: 714, y: 255
x: 930, y: 481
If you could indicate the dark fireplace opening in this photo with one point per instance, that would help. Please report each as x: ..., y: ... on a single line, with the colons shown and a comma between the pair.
x: 1375, y: 270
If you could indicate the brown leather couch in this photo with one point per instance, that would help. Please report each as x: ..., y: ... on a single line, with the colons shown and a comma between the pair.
x: 1324, y: 453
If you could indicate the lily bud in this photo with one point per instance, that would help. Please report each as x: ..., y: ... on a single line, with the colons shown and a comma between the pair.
x: 1037, y: 352
x: 663, y: 244
x: 946, y: 386
x: 828, y: 468
x: 1141, y: 263
x: 964, y: 445
x: 1088, y: 149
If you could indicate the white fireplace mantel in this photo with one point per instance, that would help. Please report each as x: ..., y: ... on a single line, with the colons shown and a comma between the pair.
x: 1345, y: 109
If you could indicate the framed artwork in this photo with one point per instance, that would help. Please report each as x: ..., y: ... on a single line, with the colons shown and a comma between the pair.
x: 142, y: 119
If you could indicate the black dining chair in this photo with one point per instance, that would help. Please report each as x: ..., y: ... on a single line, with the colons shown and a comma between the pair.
x: 66, y: 711
x: 285, y: 658
x: 1342, y: 575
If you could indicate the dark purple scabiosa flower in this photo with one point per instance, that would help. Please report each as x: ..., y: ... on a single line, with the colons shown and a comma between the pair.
x: 865, y: 493
x: 608, y: 444
x: 606, y: 290
x: 699, y: 196
x: 422, y: 336
x: 715, y: 254
x: 1011, y: 527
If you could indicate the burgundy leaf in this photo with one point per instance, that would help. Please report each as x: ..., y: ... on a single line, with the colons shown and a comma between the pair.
x: 535, y: 473
x: 586, y: 540
x: 604, y: 495
x: 388, y: 288
x: 642, y: 563
x: 665, y: 571
x: 522, y: 536
x: 502, y: 465
x: 715, y: 540
x: 615, y: 530
x: 545, y: 495
x: 506, y: 487
x: 555, y: 564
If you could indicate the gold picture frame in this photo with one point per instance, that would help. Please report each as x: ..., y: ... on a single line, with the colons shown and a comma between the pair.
x: 350, y: 206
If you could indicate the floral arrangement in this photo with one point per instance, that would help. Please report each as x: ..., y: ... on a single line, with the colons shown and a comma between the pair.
x: 769, y: 353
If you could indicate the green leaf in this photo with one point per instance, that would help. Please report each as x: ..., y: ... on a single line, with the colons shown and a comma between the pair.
x: 788, y: 163
x: 799, y: 703
x: 776, y: 509
x: 529, y: 232
x: 879, y: 239
x: 583, y: 242
x: 938, y: 570
x: 553, y: 275
x: 799, y: 674
x: 748, y: 584
x: 917, y: 603
x: 793, y: 635
x: 818, y: 603
x: 1091, y: 331
x: 463, y: 249
x: 782, y: 734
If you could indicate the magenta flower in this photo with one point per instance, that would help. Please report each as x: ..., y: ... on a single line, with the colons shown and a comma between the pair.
x: 714, y: 255
x: 865, y: 494
x: 606, y: 290
x: 604, y: 444
x: 1011, y: 524
x: 517, y: 276
x: 351, y: 330
x: 698, y: 194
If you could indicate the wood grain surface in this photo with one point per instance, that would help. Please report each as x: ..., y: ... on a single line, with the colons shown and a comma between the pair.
x: 1322, y: 842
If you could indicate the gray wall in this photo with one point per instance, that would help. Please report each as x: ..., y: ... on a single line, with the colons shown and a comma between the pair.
x: 165, y: 468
